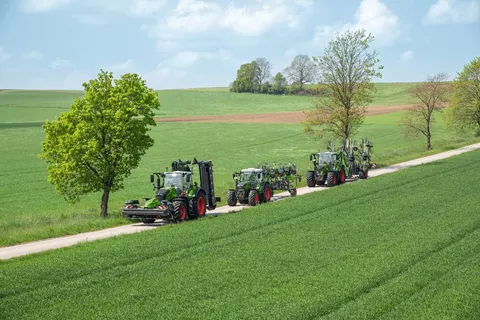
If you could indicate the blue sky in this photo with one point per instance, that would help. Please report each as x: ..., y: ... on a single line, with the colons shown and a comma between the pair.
x: 58, y: 44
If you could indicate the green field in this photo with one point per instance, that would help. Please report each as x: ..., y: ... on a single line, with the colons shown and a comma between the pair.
x: 394, y: 247
x: 32, y: 210
x: 34, y: 106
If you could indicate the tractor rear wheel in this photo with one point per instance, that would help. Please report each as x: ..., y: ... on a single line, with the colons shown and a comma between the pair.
x: 232, y: 198
x: 363, y: 174
x: 267, y: 193
x: 180, y: 211
x: 200, y: 205
x: 342, y: 177
x: 253, y: 198
x: 148, y: 220
x: 311, y: 179
x: 332, y: 179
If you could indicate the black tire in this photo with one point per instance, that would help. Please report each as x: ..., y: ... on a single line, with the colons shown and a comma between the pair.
x: 199, y: 212
x: 311, y: 179
x: 253, y: 198
x: 332, y: 179
x: 179, y: 214
x: 363, y: 174
x: 232, y: 198
x: 267, y: 192
x: 148, y: 220
x: 342, y: 176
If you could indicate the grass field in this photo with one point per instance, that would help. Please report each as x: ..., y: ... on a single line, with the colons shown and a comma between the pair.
x: 35, y: 106
x: 393, y: 247
x: 32, y: 210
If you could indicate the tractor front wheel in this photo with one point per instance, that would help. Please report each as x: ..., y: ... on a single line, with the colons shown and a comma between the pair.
x: 267, y: 193
x: 180, y: 211
x: 332, y: 179
x: 311, y: 179
x: 232, y: 198
x: 253, y: 198
x: 200, y: 205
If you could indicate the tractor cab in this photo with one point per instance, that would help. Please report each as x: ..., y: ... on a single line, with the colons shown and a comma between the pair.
x: 251, y: 175
x: 180, y: 180
x: 327, y: 157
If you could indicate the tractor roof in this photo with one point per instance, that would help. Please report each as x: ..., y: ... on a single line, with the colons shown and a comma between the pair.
x: 177, y: 172
x: 250, y: 170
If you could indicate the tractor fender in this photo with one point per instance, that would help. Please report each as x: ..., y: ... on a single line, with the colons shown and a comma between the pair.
x: 198, y: 191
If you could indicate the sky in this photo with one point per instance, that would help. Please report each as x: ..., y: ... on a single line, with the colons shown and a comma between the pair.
x: 59, y: 44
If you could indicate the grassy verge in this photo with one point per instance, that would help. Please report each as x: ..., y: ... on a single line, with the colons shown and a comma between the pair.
x: 395, y: 246
x: 32, y: 210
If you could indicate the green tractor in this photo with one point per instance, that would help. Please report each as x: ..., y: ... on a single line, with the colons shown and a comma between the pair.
x: 177, y: 197
x: 335, y: 166
x: 251, y: 187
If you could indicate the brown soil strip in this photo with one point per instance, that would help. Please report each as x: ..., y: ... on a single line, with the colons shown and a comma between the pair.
x: 275, y: 117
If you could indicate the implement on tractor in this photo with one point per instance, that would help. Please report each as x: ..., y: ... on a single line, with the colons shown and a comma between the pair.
x: 335, y: 166
x: 256, y: 185
x: 177, y: 196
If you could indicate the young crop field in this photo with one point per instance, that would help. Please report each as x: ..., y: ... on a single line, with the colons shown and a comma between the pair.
x: 393, y: 247
x: 32, y: 209
x: 33, y: 106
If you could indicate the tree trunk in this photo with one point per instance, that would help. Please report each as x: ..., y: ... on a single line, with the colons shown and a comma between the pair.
x: 429, y: 135
x: 104, y: 205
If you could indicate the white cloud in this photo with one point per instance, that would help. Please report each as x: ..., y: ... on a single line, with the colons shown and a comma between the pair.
x: 253, y: 18
x: 291, y: 52
x: 453, y: 11
x: 33, y: 55
x: 4, y: 56
x: 185, y: 59
x: 90, y: 19
x: 121, y: 66
x: 59, y: 64
x: 407, y: 55
x: 373, y: 16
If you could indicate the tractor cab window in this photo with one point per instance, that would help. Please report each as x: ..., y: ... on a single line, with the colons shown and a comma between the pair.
x: 325, y: 158
x: 259, y: 177
x: 188, y: 180
x: 173, y: 179
x: 247, y: 176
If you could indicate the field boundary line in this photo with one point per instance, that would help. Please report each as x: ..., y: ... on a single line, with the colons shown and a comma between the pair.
x: 70, y: 240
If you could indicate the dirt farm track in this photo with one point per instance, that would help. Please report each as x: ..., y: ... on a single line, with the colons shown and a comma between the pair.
x: 275, y: 117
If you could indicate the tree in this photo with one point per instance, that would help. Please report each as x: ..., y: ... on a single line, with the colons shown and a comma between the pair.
x: 94, y: 145
x: 301, y: 70
x: 279, y: 83
x: 247, y: 80
x: 464, y: 111
x: 346, y: 70
x: 430, y: 97
x: 264, y: 70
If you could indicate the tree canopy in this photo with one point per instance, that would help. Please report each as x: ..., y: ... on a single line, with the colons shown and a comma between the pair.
x: 95, y: 144
x: 464, y: 111
x: 302, y: 70
x: 346, y: 70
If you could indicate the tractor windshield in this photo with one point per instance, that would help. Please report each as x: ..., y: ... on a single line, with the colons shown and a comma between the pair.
x: 324, y: 158
x: 173, y: 179
x: 247, y: 176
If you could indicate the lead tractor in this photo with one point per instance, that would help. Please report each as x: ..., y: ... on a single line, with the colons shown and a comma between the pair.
x: 177, y: 197
x: 251, y: 187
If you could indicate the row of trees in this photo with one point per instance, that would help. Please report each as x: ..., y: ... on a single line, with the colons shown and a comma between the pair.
x: 256, y: 77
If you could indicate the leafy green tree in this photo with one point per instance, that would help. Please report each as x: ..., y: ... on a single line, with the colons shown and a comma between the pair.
x: 279, y: 83
x: 247, y: 78
x: 464, y: 111
x: 346, y: 70
x: 95, y: 144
